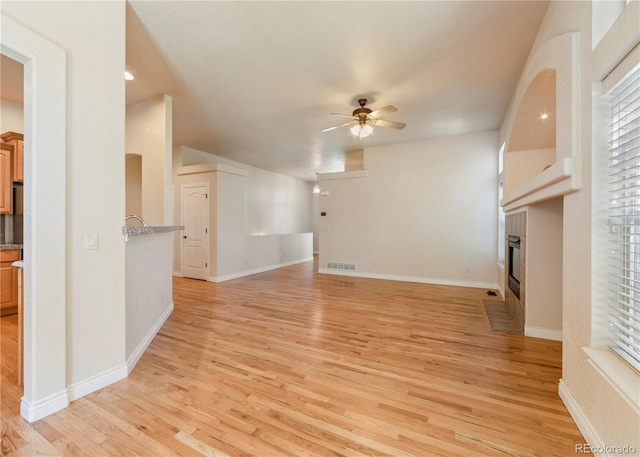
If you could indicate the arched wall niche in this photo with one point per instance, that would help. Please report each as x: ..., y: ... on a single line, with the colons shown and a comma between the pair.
x: 534, y: 126
x: 532, y: 143
x: 541, y: 160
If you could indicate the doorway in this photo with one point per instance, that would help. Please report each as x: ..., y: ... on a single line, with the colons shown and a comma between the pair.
x: 11, y: 221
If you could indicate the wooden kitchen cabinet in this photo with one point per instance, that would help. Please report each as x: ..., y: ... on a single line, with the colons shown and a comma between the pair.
x: 8, y: 281
x: 17, y: 141
x: 6, y: 178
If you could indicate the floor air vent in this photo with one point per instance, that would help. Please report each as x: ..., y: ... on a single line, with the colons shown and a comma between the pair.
x: 344, y: 266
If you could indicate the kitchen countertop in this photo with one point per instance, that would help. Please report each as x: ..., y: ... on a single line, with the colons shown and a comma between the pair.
x: 6, y: 247
x: 149, y: 230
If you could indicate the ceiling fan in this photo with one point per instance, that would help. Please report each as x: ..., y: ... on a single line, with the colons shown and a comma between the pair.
x: 364, y: 120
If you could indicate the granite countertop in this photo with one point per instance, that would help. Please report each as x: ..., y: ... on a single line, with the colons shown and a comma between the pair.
x: 6, y: 247
x: 150, y: 230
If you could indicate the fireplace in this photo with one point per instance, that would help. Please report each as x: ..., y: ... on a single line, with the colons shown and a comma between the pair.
x: 515, y: 275
x: 514, y: 265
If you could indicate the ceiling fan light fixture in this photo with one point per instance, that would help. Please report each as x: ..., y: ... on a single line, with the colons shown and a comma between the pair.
x: 362, y: 131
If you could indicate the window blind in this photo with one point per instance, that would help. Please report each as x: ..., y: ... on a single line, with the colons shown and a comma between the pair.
x: 624, y: 217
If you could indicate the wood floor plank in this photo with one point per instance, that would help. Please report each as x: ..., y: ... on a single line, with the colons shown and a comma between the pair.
x: 295, y: 363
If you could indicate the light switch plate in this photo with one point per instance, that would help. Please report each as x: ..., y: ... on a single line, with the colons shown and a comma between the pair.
x: 90, y: 241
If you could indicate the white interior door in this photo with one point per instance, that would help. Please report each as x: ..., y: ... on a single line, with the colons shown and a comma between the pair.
x: 195, y: 242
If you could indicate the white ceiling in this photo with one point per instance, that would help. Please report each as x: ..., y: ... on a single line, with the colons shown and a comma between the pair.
x: 255, y: 81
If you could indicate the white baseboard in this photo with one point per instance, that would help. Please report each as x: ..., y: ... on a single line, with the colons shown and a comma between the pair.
x: 42, y: 408
x: 178, y: 274
x: 146, y: 341
x: 82, y: 388
x: 419, y: 279
x: 583, y: 423
x: 241, y: 274
x: 547, y: 334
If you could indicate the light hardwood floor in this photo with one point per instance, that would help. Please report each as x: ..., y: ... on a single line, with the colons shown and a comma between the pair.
x: 291, y: 362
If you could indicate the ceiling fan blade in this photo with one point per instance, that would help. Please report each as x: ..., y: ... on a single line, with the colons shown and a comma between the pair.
x: 382, y: 111
x: 336, y: 126
x: 340, y: 114
x: 392, y: 124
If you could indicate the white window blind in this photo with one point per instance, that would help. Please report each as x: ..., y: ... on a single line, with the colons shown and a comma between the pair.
x: 624, y: 217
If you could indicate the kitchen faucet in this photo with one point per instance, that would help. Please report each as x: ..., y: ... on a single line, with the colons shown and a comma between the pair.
x: 133, y: 216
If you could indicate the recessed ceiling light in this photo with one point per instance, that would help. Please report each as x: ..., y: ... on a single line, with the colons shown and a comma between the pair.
x: 128, y: 76
x: 544, y: 116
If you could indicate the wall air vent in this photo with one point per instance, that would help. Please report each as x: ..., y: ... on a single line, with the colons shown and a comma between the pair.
x: 343, y: 266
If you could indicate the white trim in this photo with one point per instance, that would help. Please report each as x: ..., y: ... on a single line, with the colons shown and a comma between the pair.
x: 418, y: 279
x: 584, y: 424
x: 87, y: 386
x: 241, y: 274
x: 621, y: 377
x: 33, y: 411
x: 178, y: 274
x: 146, y: 341
x: 546, y: 333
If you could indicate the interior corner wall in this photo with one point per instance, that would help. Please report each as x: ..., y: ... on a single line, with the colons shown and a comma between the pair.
x: 426, y: 212
x: 148, y: 135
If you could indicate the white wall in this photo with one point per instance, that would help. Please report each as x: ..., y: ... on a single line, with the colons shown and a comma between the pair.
x: 232, y: 254
x: 275, y: 204
x: 426, y: 211
x: 149, y: 290
x: 521, y: 166
x: 604, y: 415
x: 92, y: 35
x: 11, y: 116
x: 543, y: 292
x: 148, y: 134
